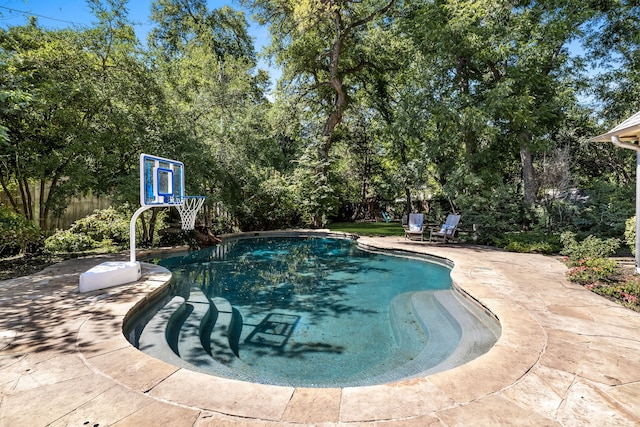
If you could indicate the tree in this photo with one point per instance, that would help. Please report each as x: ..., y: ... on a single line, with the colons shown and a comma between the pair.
x: 48, y: 135
x: 505, y: 68
x: 323, y: 46
x: 206, y: 63
x: 93, y: 107
x: 613, y: 49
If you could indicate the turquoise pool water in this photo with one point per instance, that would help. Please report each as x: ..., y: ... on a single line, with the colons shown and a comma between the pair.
x: 315, y: 312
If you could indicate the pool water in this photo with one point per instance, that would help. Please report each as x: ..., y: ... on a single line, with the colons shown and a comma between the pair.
x: 315, y: 312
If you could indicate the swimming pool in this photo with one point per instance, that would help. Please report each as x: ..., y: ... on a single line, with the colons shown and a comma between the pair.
x: 313, y: 312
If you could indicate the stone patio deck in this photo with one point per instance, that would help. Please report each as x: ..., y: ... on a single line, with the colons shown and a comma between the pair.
x: 565, y: 357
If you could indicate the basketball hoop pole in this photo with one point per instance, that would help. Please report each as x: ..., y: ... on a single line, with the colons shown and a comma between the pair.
x: 132, y: 232
x: 161, y: 185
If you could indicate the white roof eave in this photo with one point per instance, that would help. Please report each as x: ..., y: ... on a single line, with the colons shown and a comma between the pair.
x: 628, y: 130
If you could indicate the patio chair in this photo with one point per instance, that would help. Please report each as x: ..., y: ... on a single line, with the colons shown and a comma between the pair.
x: 415, y: 228
x: 385, y: 216
x: 448, y: 230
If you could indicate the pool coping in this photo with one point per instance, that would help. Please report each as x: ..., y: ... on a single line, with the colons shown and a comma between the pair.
x: 565, y: 356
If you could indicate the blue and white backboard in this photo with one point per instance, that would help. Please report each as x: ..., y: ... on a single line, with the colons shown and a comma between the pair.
x: 161, y: 181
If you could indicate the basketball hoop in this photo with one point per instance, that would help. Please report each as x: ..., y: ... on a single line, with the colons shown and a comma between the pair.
x: 189, y: 209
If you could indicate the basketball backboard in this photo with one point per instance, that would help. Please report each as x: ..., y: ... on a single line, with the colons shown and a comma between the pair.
x: 161, y: 181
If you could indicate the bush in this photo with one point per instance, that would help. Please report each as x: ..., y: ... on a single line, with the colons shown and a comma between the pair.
x: 17, y: 234
x: 630, y: 233
x: 107, y: 224
x: 590, y: 271
x: 68, y: 241
x: 493, y: 210
x: 605, y: 209
x: 106, y: 229
x: 626, y: 292
x: 591, y: 247
x: 534, y: 242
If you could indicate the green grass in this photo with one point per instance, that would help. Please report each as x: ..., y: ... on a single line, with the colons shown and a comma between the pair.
x: 369, y: 228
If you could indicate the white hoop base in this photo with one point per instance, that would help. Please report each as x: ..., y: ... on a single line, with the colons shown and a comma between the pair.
x: 189, y: 209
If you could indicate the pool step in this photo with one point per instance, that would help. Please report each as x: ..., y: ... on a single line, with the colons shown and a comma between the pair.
x: 422, y: 310
x: 225, y: 333
x: 190, y: 345
x: 180, y: 332
x: 411, y: 335
x: 159, y: 336
x: 209, y: 336
x: 478, y: 332
x: 457, y: 330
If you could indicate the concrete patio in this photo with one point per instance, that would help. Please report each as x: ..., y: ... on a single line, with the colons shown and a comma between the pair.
x: 566, y: 357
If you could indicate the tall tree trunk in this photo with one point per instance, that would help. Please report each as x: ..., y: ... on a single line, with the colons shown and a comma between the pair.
x: 468, y: 134
x: 340, y: 97
x: 6, y: 191
x: 407, y: 193
x: 366, y: 172
x: 42, y: 214
x: 528, y: 176
x: 25, y: 194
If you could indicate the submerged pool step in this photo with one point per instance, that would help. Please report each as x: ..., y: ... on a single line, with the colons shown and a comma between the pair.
x: 224, y: 334
x: 159, y: 336
x: 419, y: 330
x: 455, y: 333
x: 190, y: 345
x: 478, y: 331
x: 179, y: 334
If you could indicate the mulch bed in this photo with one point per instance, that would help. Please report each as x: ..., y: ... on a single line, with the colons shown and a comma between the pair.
x: 18, y: 266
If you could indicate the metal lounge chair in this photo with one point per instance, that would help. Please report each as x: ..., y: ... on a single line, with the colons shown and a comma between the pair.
x: 448, y: 230
x: 385, y: 216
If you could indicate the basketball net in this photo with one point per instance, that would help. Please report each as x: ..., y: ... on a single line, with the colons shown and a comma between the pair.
x: 189, y: 209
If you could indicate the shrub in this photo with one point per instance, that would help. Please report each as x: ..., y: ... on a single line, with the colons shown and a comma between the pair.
x: 105, y: 229
x: 534, y: 242
x: 493, y: 210
x: 107, y: 224
x: 68, y: 241
x: 626, y: 292
x: 605, y: 209
x: 221, y: 225
x: 17, y: 234
x: 630, y: 233
x: 590, y: 247
x: 590, y: 271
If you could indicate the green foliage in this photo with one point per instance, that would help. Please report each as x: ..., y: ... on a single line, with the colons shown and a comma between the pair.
x: 630, y: 233
x: 107, y: 224
x: 589, y: 248
x: 17, y: 234
x: 605, y: 210
x: 591, y: 270
x: 460, y: 102
x: 86, y: 90
x: 313, y: 190
x: 529, y: 242
x: 627, y: 291
x: 491, y: 210
x: 270, y: 205
x: 69, y: 241
x: 222, y: 225
x: 107, y: 229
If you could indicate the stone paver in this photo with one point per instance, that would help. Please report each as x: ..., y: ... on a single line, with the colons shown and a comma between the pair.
x: 566, y: 357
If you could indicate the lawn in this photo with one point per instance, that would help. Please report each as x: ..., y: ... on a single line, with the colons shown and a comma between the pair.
x: 369, y: 228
